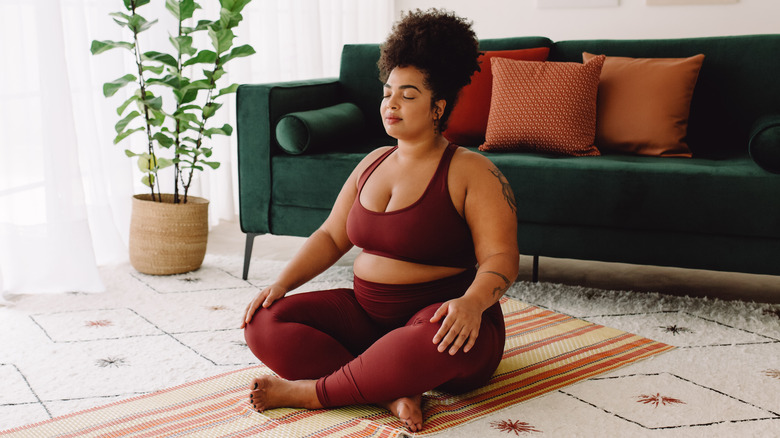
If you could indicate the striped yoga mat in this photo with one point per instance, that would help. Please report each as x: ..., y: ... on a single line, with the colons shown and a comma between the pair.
x: 544, y: 351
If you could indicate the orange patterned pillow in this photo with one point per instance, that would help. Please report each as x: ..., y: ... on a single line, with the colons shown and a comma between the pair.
x: 644, y: 104
x: 547, y: 107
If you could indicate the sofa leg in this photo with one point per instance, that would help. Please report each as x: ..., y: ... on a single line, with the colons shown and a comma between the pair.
x: 250, y: 240
x: 535, y: 274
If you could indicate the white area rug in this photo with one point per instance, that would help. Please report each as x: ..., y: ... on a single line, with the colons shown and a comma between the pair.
x: 64, y: 353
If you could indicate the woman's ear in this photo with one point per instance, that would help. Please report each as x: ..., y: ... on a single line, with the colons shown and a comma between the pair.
x: 438, y: 108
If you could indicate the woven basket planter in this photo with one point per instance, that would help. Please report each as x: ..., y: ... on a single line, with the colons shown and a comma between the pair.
x: 168, y: 238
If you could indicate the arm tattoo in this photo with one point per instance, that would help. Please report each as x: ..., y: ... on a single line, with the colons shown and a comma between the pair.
x: 500, y: 290
x: 506, y: 189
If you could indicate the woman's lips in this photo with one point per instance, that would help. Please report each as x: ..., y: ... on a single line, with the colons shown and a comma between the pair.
x: 392, y: 120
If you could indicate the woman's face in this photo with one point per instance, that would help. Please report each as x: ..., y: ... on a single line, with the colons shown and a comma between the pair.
x: 406, y: 107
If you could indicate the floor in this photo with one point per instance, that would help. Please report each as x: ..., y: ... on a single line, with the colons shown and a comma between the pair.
x: 227, y: 238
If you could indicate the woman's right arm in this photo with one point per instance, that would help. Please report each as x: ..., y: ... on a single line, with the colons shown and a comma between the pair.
x: 320, y: 251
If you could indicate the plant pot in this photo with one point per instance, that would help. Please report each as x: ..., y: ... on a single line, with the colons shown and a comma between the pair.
x: 168, y: 238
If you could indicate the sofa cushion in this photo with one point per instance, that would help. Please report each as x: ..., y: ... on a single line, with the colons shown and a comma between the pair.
x: 737, y: 83
x: 764, y: 143
x: 696, y: 195
x: 545, y: 107
x: 468, y: 120
x: 310, y: 130
x: 644, y: 103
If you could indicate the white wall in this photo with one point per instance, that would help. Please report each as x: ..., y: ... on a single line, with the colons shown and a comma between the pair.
x: 631, y: 19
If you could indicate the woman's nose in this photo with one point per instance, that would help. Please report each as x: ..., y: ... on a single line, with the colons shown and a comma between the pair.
x: 392, y: 103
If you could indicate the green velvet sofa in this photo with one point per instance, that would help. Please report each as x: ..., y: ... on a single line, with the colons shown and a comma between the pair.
x: 719, y: 210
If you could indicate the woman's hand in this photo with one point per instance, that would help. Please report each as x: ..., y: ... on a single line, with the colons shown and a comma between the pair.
x: 460, y: 327
x: 265, y: 298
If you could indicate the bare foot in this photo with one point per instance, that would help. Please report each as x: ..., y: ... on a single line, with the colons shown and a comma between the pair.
x: 408, y: 410
x: 269, y: 392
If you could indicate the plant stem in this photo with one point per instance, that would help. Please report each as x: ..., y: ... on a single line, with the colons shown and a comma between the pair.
x: 199, y: 141
x: 177, y: 142
x: 142, y: 85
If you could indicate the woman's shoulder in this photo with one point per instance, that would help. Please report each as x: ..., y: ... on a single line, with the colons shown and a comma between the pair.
x: 373, y: 156
x: 466, y: 160
x: 370, y: 158
x: 376, y: 153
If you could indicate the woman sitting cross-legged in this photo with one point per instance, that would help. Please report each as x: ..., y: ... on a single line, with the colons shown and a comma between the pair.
x: 437, y: 225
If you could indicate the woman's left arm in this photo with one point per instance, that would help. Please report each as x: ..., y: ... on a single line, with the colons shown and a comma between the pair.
x: 490, y: 210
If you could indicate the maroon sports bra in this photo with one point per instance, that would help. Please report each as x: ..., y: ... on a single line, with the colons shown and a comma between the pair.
x: 429, y: 232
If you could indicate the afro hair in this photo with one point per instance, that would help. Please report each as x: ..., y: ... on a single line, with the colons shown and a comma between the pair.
x: 441, y: 45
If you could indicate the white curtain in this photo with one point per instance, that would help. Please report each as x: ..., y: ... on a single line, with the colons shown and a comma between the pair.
x: 65, y: 189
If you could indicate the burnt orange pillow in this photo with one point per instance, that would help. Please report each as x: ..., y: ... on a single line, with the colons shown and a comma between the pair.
x: 547, y: 107
x: 468, y: 120
x: 644, y: 104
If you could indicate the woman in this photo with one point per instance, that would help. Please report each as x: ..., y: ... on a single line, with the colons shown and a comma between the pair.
x: 426, y: 212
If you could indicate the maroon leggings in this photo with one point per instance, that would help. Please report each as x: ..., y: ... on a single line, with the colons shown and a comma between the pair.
x: 373, y: 344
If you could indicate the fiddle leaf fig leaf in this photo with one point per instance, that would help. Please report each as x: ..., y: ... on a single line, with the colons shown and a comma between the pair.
x: 126, y: 103
x: 163, y: 139
x: 147, y: 162
x: 110, y: 88
x: 203, y: 57
x: 139, y: 24
x: 130, y: 153
x: 172, y: 81
x: 224, y: 130
x: 229, y: 19
x: 121, y: 19
x: 157, y: 118
x: 213, y: 76
x: 99, y: 47
x: 221, y: 39
x: 163, y: 58
x: 227, y: 90
x: 186, y: 117
x: 154, y: 103
x: 182, y: 10
x: 234, y: 5
x: 211, y: 164
x: 162, y: 163
x: 125, y: 134
x: 239, y: 52
x: 156, y: 70
x: 202, y: 25
x: 199, y: 85
x: 148, y: 180
x: 122, y: 124
x: 210, y: 109
x: 183, y: 45
x: 185, y: 95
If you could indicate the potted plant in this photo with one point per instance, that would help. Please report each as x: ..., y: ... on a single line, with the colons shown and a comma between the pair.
x: 172, y: 97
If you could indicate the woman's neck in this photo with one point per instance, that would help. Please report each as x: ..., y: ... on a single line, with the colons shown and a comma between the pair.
x: 417, y: 149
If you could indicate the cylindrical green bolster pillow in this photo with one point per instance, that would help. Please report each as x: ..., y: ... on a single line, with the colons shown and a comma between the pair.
x: 764, y: 143
x: 304, y: 131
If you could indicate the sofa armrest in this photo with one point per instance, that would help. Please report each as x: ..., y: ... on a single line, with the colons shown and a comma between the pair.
x: 764, y: 142
x: 258, y: 107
